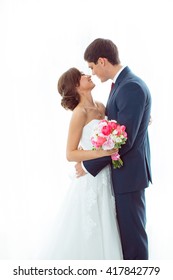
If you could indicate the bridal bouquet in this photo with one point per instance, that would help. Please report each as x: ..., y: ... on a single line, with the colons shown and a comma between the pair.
x: 108, y: 134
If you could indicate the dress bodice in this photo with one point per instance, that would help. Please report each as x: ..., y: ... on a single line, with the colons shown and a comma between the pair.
x: 88, y: 129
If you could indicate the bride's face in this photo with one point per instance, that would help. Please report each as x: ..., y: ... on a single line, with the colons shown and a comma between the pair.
x: 86, y: 82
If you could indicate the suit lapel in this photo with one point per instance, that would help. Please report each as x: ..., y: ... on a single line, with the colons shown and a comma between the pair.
x: 121, y: 77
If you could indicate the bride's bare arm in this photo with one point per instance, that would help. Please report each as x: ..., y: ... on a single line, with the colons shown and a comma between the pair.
x: 73, y: 153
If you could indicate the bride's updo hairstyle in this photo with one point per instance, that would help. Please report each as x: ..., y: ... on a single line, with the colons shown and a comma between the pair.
x: 67, y: 84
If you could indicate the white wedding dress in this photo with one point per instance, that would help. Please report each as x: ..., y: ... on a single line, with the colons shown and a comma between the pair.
x: 86, y: 228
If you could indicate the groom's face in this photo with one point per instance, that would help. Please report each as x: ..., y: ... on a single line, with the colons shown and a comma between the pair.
x: 99, y: 69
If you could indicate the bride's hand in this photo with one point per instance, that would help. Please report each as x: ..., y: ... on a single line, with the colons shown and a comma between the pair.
x: 108, y: 152
x: 150, y: 121
x: 79, y: 170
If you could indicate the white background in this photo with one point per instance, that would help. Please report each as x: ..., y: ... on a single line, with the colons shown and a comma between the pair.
x: 40, y: 39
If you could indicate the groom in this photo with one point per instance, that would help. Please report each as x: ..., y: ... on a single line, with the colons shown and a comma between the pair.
x: 129, y: 103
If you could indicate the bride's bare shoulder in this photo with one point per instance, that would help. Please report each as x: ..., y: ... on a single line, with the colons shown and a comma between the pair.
x: 79, y: 115
x: 80, y: 111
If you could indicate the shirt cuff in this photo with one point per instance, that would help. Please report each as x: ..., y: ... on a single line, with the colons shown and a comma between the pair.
x: 84, y: 167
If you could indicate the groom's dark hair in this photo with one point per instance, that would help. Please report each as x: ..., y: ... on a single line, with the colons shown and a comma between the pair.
x: 104, y: 48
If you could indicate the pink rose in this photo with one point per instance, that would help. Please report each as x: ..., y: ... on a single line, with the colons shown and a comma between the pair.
x: 120, y: 129
x: 108, y: 144
x: 123, y: 128
x: 99, y: 142
x: 113, y: 125
x: 115, y: 156
x: 125, y: 134
x: 106, y: 130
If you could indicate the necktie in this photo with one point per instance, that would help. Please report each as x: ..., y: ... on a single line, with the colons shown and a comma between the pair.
x: 112, y: 85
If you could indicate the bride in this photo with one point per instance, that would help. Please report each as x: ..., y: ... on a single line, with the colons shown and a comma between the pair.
x: 86, y: 227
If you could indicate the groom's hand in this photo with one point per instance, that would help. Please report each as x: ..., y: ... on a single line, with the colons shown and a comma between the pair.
x: 79, y: 170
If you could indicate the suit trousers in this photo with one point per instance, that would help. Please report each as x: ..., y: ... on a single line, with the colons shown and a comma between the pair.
x: 131, y: 215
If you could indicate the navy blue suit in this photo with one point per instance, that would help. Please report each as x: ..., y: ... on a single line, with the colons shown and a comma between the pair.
x: 130, y: 104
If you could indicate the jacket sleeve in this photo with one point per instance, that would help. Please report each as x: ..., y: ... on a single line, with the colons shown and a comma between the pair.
x: 131, y: 103
x: 94, y: 166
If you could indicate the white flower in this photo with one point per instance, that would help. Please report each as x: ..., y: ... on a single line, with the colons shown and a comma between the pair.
x: 118, y: 140
x: 114, y: 132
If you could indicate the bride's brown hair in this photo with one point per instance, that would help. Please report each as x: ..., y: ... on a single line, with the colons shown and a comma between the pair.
x: 67, y: 84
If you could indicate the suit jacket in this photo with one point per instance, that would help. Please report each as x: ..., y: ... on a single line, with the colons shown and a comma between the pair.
x: 130, y: 105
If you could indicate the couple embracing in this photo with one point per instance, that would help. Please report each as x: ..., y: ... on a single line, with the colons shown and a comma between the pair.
x: 104, y: 214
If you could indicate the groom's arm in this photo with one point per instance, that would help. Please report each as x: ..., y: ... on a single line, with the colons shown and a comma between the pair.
x: 134, y: 112
x: 94, y: 166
